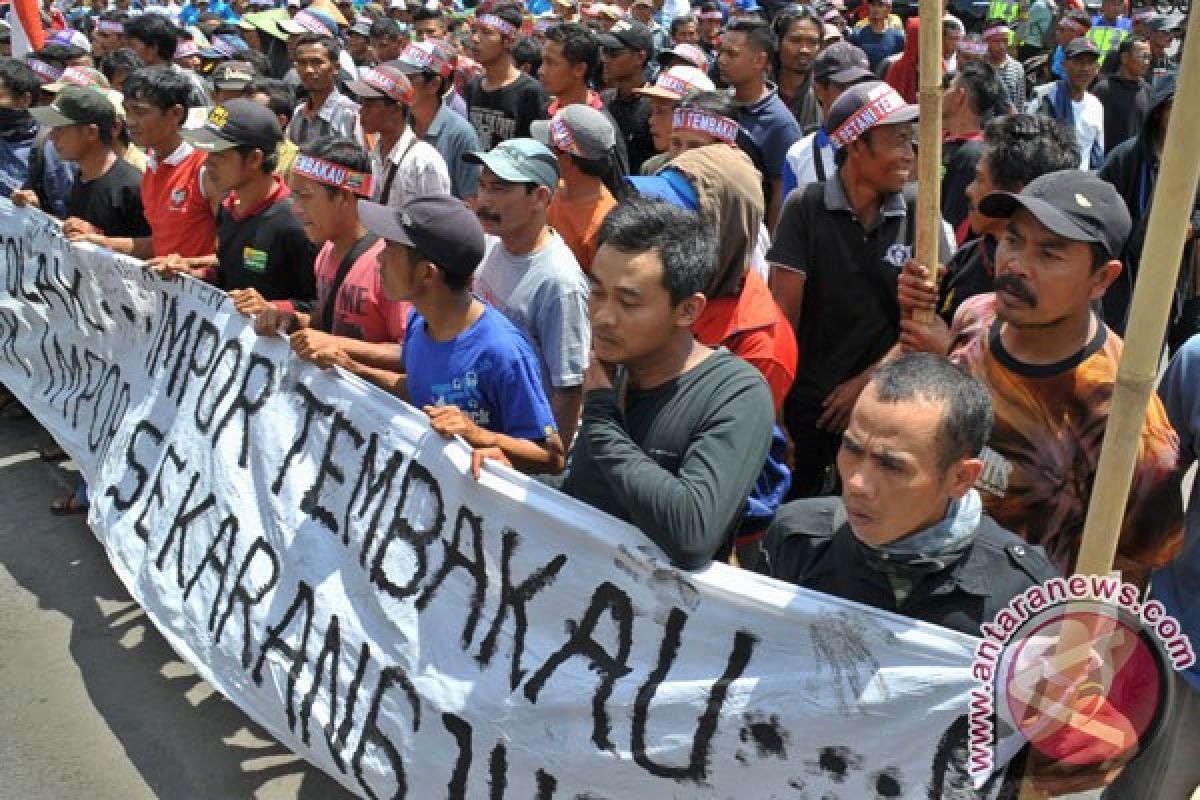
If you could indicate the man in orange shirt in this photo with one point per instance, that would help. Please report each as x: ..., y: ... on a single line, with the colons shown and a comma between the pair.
x: 583, y: 140
x: 177, y: 199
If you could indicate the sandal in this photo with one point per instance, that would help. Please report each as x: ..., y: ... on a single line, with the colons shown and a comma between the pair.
x: 52, y: 452
x: 68, y: 506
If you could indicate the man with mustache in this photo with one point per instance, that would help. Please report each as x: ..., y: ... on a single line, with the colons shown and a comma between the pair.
x: 1050, y: 364
x: 529, y: 273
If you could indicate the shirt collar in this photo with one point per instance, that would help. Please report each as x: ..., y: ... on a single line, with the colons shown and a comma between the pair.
x: 435, y: 126
x: 401, y: 146
x: 836, y: 199
x: 174, y: 160
x: 330, y: 105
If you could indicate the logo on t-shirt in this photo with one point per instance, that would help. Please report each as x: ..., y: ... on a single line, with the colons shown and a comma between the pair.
x: 996, y: 469
x: 179, y: 197
x: 254, y: 260
x: 897, y: 254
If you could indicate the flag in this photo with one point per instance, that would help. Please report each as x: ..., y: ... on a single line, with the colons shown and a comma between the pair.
x: 25, y: 19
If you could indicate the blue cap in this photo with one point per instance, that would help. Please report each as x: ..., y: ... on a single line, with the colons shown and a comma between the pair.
x: 670, y: 185
x: 747, y: 5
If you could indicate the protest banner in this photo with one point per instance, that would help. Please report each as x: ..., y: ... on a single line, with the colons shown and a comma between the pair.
x: 326, y: 561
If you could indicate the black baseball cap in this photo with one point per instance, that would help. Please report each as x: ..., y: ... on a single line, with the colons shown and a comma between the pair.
x: 629, y: 33
x: 439, y: 226
x: 237, y: 123
x: 1072, y: 204
x: 843, y: 63
x: 77, y: 105
x: 234, y: 75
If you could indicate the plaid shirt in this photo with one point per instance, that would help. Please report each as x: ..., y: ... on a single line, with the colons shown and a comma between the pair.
x: 337, y: 116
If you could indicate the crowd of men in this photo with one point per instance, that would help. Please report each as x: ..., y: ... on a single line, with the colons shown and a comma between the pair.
x: 660, y: 256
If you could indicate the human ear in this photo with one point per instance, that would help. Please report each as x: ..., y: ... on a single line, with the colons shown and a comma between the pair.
x: 962, y: 475
x: 1102, y: 277
x: 690, y: 309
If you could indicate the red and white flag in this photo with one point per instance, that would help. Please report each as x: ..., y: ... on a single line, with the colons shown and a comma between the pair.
x: 25, y: 19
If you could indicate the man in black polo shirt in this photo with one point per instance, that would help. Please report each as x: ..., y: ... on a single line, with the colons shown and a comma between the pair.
x: 836, y: 255
x: 624, y: 51
x: 263, y: 256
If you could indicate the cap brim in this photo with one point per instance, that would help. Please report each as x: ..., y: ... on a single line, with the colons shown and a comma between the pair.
x: 656, y: 91
x: 503, y: 168
x: 381, y: 221
x: 608, y: 40
x: 906, y: 114
x: 290, y: 28
x: 51, y: 117
x: 363, y: 89
x: 659, y: 188
x: 407, y: 68
x: 851, y: 76
x: 206, y: 140
x: 1002, y: 205
x: 233, y: 85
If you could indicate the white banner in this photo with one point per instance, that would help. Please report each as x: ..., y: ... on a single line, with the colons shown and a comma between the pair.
x: 326, y: 561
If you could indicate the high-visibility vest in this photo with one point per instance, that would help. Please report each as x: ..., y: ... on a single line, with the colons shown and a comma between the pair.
x: 1006, y: 10
x: 1107, y: 38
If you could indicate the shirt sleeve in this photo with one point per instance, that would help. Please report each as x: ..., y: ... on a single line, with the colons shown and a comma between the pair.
x: 1180, y: 393
x: 687, y: 513
x: 524, y: 410
x: 565, y: 335
x: 789, y: 246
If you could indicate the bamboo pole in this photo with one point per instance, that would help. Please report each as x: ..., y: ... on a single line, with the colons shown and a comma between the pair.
x: 929, y: 153
x: 1174, y: 196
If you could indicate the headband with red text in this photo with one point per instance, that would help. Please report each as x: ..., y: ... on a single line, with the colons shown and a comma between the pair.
x: 109, y: 26
x: 394, y: 89
x: 692, y: 119
x: 428, y: 57
x: 334, y: 175
x: 47, y: 72
x: 882, y: 102
x: 995, y: 30
x: 498, y: 25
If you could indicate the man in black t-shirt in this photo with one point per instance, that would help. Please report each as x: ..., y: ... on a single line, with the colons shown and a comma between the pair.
x: 625, y: 50
x: 106, y: 196
x: 263, y: 256
x: 503, y: 101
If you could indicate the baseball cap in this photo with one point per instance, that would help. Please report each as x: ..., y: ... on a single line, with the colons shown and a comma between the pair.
x: 77, y: 76
x: 628, y: 33
x: 185, y: 48
x: 424, y: 56
x: 1160, y: 22
x: 71, y: 38
x: 1073, y: 204
x: 439, y: 226
x: 519, y: 161
x: 688, y: 52
x: 237, y: 123
x: 1082, y: 46
x: 361, y: 26
x: 577, y: 129
x: 382, y: 81
x: 843, y: 63
x: 678, y: 82
x: 224, y: 45
x: 309, y: 21
x: 670, y: 185
x: 235, y: 75
x: 76, y: 105
x: 865, y: 106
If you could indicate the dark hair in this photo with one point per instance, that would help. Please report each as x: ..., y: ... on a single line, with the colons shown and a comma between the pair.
x: 782, y: 24
x: 257, y: 59
x: 509, y: 13
x: 161, y: 86
x: 20, y: 79
x: 1021, y: 147
x: 341, y: 151
x: 153, y: 30
x: 984, y: 91
x: 424, y: 13
x: 385, y: 28
x: 527, y: 51
x: 687, y: 248
x: 966, y: 405
x: 281, y: 98
x: 579, y: 45
x: 758, y: 35
x: 58, y: 55
x: 122, y: 60
x: 682, y: 19
x: 270, y: 158
x: 327, y: 42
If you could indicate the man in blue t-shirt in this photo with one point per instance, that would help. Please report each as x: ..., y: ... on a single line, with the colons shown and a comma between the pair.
x: 465, y: 364
x: 878, y: 38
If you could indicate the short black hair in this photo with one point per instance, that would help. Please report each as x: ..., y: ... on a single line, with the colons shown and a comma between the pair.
x: 161, y: 86
x: 341, y: 151
x: 424, y: 13
x: 330, y: 45
x: 579, y: 45
x: 790, y: 15
x: 122, y: 60
x: 270, y: 157
x: 258, y: 60
x: 966, y: 404
x: 510, y: 13
x: 686, y: 246
x: 682, y: 19
x: 758, y: 35
x: 281, y: 97
x: 1021, y: 147
x: 58, y: 55
x: 385, y: 28
x: 984, y: 90
x: 155, y: 31
x: 527, y: 51
x: 20, y: 79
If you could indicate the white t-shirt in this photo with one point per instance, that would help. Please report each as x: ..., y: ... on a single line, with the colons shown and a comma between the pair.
x: 545, y: 295
x: 1089, y: 120
x: 420, y: 171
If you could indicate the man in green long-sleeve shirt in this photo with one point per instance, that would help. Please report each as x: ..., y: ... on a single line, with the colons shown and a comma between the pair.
x: 674, y: 433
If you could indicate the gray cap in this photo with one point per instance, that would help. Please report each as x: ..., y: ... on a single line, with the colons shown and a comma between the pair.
x: 579, y: 130
x: 843, y: 63
x: 865, y: 106
x: 519, y: 161
x: 1072, y: 204
x: 443, y: 229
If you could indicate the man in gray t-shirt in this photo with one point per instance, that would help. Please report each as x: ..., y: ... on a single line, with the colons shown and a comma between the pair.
x: 529, y: 273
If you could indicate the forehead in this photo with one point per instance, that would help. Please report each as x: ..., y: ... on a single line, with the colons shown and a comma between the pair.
x: 803, y: 25
x: 615, y: 269
x: 312, y: 50
x: 906, y: 426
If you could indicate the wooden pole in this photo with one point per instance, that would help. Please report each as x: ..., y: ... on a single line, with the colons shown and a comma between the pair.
x: 1174, y: 196
x: 1170, y: 214
x: 929, y: 153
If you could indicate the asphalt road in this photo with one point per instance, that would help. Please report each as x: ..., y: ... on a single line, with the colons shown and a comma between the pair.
x: 93, y: 702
